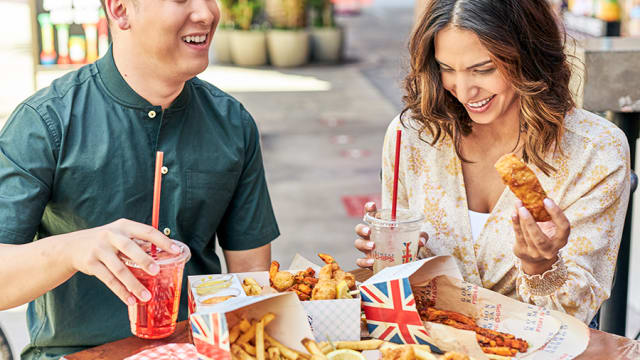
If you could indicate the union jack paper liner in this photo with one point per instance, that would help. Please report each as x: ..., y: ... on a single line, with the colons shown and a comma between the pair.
x: 210, y: 329
x: 389, y: 306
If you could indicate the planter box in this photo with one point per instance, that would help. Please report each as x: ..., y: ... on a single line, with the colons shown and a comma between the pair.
x: 288, y: 48
x: 327, y: 44
x: 248, y: 48
x: 221, y: 46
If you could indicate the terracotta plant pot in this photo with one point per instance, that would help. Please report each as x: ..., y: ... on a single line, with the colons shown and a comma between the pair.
x: 248, y: 48
x: 327, y: 44
x: 288, y: 48
x: 221, y: 46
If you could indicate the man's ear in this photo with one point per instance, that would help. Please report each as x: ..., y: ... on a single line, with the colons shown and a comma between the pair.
x: 117, y: 12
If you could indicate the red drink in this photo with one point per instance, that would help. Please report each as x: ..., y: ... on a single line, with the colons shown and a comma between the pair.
x: 156, y: 318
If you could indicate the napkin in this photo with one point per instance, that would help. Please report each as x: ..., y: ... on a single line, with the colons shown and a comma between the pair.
x: 167, y: 352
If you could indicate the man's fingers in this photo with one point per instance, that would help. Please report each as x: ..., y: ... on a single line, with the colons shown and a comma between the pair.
x: 134, y: 252
x: 363, y: 231
x: 364, y: 245
x: 120, y: 271
x: 563, y: 227
x: 370, y: 206
x: 364, y: 262
x: 104, y: 275
x: 145, y: 232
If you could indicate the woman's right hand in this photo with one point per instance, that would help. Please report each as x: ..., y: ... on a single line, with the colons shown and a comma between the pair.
x: 366, y: 246
x: 95, y: 252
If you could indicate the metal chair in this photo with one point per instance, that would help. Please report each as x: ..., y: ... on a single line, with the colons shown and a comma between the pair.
x: 613, y: 313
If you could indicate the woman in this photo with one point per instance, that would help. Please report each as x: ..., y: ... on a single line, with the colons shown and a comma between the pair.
x: 489, y: 78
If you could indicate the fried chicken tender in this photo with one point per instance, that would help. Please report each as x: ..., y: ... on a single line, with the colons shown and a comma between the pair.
x: 325, y: 289
x: 280, y: 280
x: 524, y: 184
x: 326, y: 273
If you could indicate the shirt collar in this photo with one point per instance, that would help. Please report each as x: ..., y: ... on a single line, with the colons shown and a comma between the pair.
x: 122, y: 92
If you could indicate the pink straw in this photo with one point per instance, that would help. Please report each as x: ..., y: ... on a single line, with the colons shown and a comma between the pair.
x: 395, y: 176
x: 157, y: 184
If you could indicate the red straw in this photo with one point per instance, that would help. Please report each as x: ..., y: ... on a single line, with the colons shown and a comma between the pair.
x: 395, y: 175
x: 157, y: 184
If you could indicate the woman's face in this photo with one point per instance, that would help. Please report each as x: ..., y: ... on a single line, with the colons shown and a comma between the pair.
x: 468, y: 73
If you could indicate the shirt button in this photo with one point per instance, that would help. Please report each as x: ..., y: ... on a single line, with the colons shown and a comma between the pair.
x: 164, y: 170
x: 167, y: 231
x: 152, y: 114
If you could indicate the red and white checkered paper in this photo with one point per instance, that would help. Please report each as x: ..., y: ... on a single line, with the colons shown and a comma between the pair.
x: 167, y: 352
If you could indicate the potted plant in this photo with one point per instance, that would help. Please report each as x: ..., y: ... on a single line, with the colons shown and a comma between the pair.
x: 288, y: 40
x: 221, y: 42
x: 326, y: 38
x: 248, y: 41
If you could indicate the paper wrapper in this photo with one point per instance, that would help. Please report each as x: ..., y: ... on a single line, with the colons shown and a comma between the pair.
x: 490, y: 310
x: 550, y: 334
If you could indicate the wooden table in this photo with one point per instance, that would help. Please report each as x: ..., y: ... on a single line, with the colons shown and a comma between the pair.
x: 602, y: 345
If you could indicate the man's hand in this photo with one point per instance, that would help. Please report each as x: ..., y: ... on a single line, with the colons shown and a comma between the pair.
x: 366, y: 246
x: 96, y: 252
x: 537, y: 244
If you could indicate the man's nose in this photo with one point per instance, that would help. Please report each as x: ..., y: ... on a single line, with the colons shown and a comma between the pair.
x: 204, y: 11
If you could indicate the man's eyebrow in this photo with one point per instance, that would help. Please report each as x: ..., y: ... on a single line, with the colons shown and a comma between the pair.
x: 470, y: 67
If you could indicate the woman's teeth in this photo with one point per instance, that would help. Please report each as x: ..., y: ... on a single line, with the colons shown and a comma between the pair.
x: 480, y: 104
x: 195, y: 39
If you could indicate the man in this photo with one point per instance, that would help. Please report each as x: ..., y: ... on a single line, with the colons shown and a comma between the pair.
x: 79, y: 155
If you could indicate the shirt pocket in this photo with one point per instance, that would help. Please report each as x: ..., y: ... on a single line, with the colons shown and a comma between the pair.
x: 209, y: 194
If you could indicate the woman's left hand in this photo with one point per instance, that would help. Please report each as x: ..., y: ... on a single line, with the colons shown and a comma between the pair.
x: 537, y: 243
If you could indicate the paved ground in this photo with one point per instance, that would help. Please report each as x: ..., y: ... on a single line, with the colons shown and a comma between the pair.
x: 321, y: 139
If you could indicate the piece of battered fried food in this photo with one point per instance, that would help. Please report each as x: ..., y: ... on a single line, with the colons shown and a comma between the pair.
x: 524, y: 184
x: 280, y: 280
x: 346, y: 276
x: 325, y: 289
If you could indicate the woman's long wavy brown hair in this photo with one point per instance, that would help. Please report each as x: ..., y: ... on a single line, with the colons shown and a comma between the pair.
x: 525, y: 42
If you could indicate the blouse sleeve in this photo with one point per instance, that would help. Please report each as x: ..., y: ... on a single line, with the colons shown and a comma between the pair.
x: 581, y: 280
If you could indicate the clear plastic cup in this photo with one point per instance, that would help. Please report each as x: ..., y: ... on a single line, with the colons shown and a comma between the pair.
x: 156, y: 318
x: 396, y: 241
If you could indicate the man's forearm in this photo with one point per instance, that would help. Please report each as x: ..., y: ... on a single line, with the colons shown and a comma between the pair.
x: 257, y: 259
x: 28, y: 271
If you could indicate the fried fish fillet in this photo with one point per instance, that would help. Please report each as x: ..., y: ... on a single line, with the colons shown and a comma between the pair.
x: 524, y: 184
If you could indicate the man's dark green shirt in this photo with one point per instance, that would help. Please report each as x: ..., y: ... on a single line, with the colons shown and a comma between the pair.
x: 81, y: 154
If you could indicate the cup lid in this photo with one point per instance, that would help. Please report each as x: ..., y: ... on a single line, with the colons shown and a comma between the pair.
x: 382, y: 217
x: 162, y: 257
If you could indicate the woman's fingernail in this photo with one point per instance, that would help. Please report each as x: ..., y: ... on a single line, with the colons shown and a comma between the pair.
x: 366, y: 230
x: 131, y: 300
x: 369, y: 245
x: 369, y: 261
x: 523, y: 212
x: 369, y: 204
x: 145, y: 296
x: 154, y: 269
x: 547, y: 203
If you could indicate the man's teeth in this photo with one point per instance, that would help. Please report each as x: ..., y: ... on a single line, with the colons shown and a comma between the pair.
x: 481, y: 103
x: 195, y: 39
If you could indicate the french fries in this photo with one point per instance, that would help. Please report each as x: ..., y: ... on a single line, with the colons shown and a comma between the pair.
x: 250, y: 341
x: 491, y: 342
